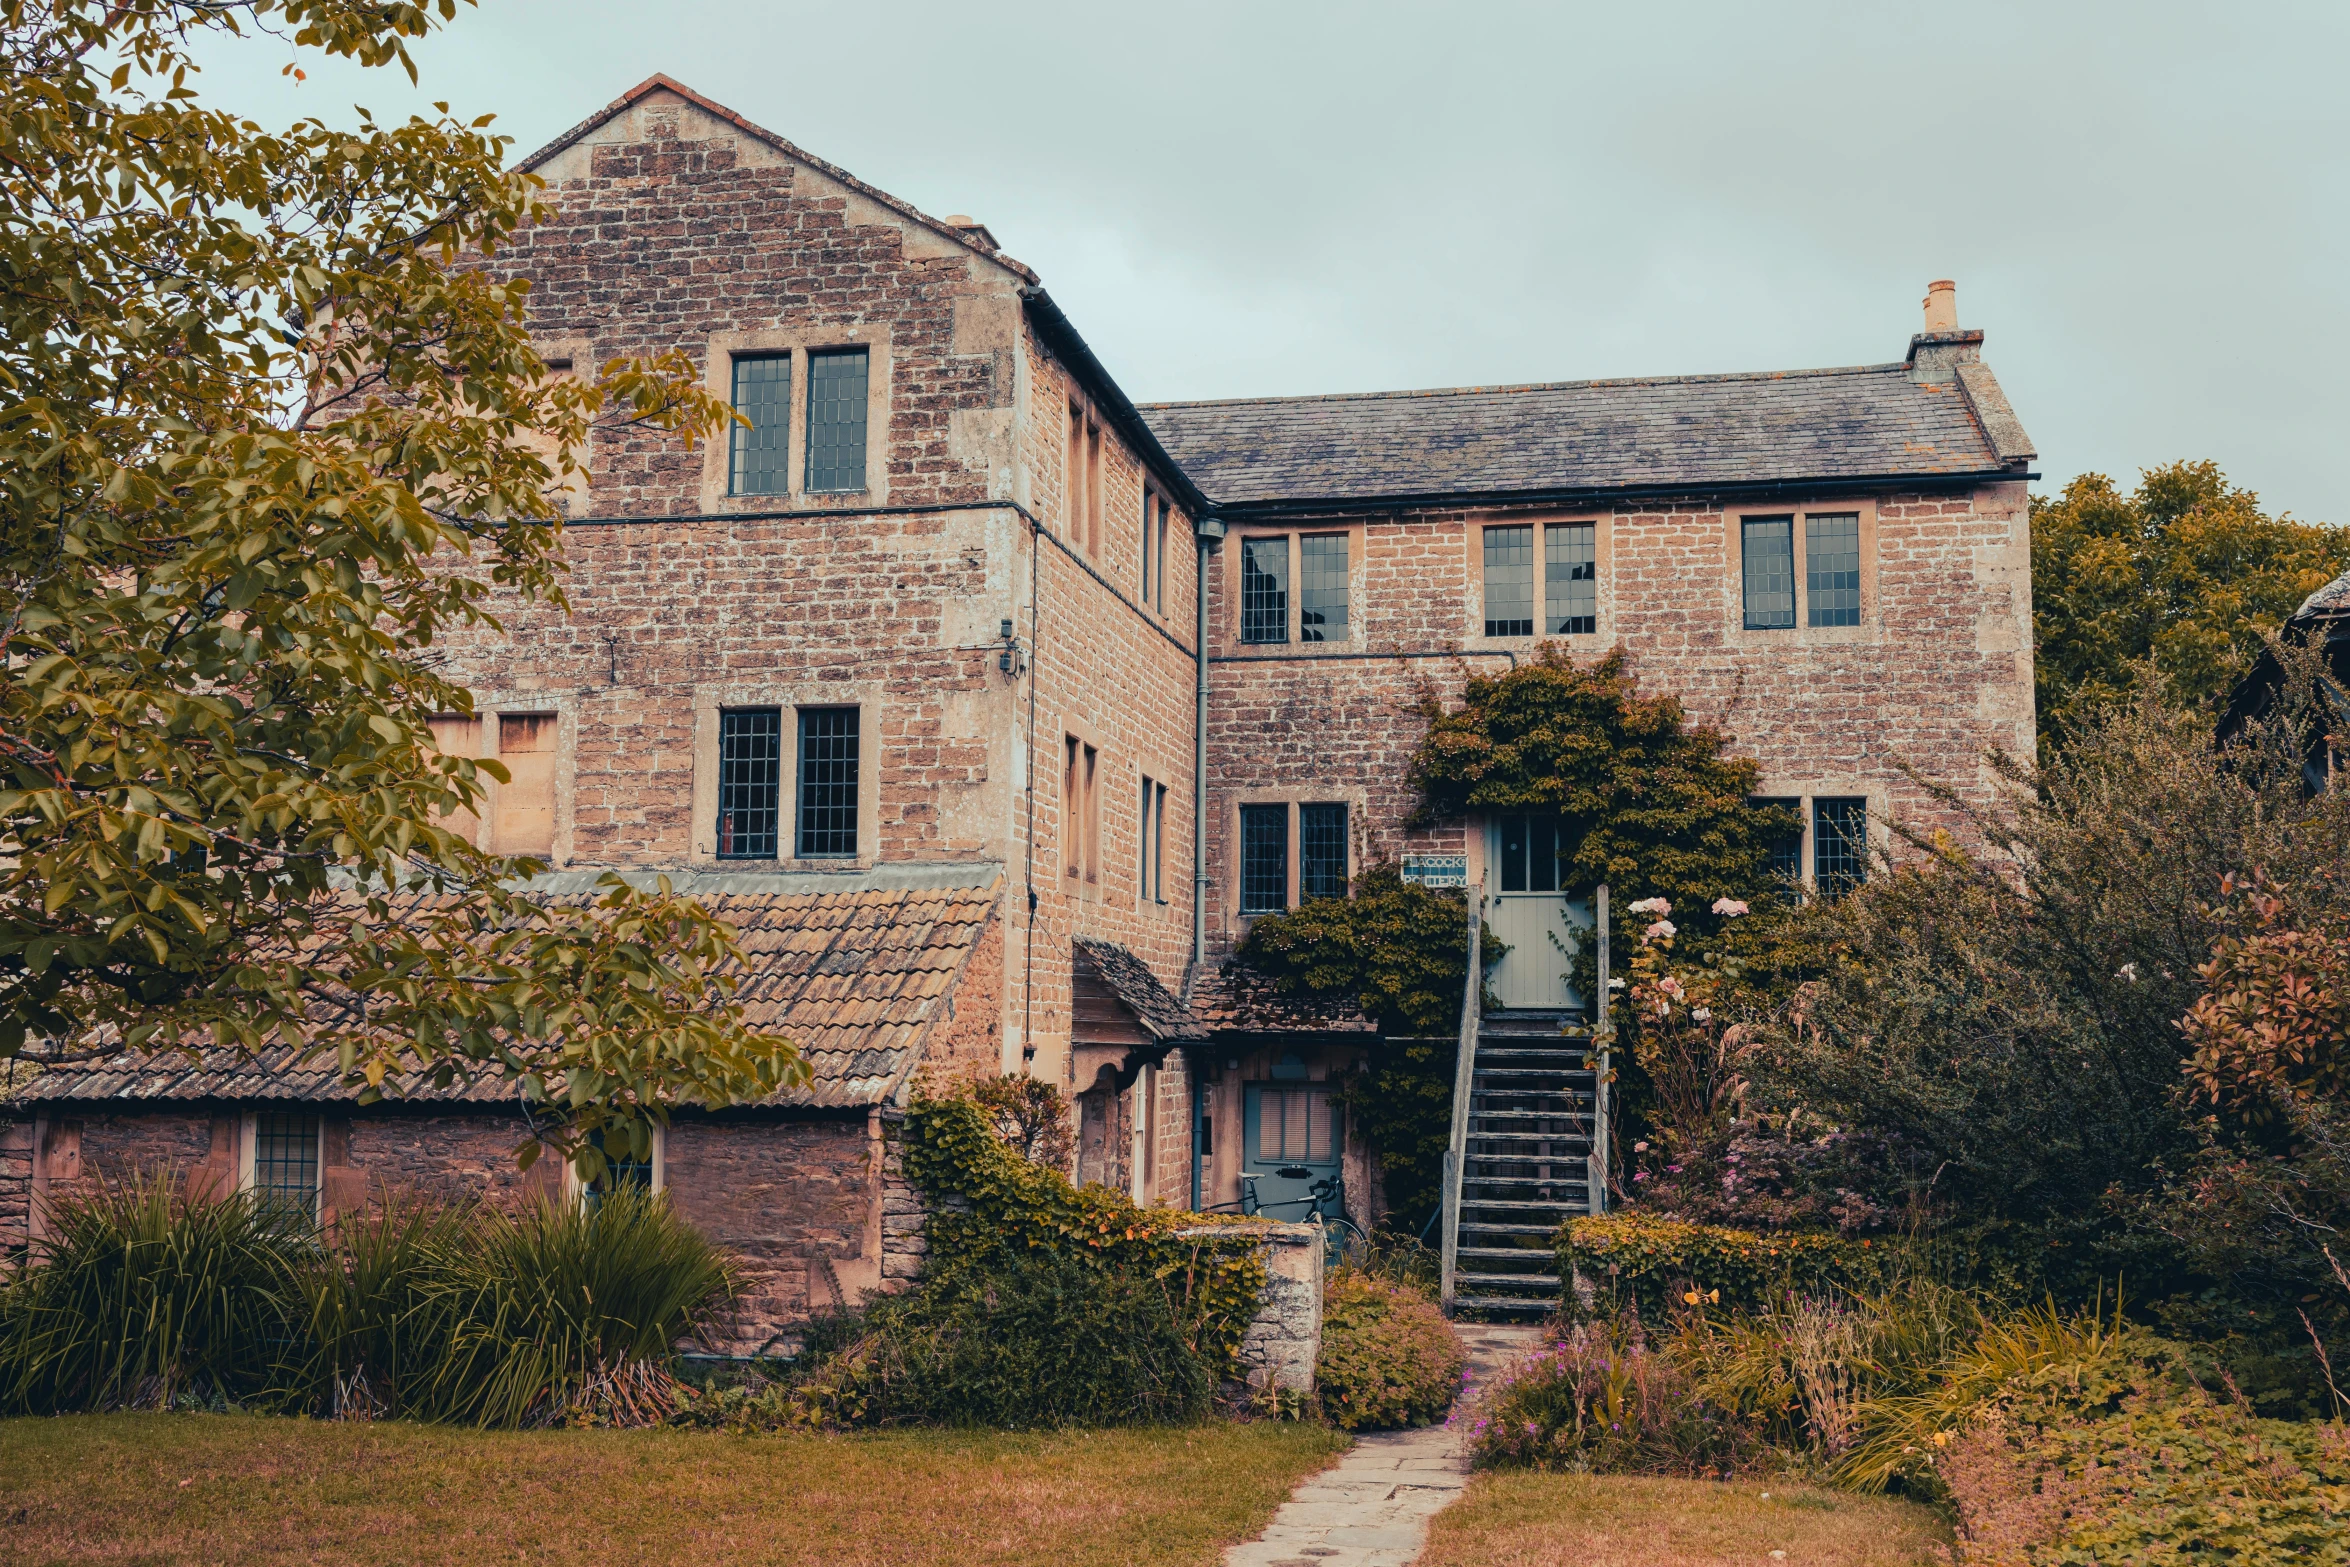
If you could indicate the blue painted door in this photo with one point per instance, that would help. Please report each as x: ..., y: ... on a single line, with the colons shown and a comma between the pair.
x: 1292, y: 1135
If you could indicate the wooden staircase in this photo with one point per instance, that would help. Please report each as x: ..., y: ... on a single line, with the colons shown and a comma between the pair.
x: 1528, y: 1149
x: 1527, y: 1160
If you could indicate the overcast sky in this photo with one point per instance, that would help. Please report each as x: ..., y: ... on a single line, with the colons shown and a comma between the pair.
x: 2144, y: 204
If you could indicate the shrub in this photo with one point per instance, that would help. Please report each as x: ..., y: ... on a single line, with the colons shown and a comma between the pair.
x: 1600, y: 1400
x: 988, y: 1203
x: 146, y: 1300
x: 2128, y: 1459
x: 1017, y: 1341
x: 1655, y: 1265
x: 1387, y: 1358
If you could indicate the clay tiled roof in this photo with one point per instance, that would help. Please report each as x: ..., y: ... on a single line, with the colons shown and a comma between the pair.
x: 1703, y: 430
x: 1128, y: 978
x: 854, y: 978
x: 1228, y: 999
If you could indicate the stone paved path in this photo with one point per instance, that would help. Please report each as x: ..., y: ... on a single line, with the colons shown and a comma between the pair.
x: 1372, y: 1510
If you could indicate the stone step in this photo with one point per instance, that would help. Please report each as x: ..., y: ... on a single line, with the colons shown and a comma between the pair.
x: 1531, y: 1280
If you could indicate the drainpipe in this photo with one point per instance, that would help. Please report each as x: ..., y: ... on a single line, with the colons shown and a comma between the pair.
x: 1208, y: 532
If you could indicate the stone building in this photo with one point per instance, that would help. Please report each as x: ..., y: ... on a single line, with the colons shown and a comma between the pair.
x: 907, y: 678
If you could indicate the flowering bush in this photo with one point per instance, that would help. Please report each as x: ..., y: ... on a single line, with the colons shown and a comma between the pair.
x: 1774, y: 1170
x: 1387, y: 1359
x: 1598, y: 1400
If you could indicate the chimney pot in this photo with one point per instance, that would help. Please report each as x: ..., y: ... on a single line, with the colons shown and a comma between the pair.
x: 961, y: 220
x: 1942, y: 306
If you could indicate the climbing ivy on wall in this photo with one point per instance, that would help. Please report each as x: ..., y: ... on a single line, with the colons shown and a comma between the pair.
x: 1652, y: 804
x: 1649, y: 803
x: 986, y: 1199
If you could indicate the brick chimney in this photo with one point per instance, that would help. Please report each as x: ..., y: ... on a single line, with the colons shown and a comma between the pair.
x: 1941, y: 306
x: 1936, y: 353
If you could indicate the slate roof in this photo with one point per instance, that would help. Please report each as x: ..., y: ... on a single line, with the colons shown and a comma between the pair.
x: 855, y: 979
x: 1154, y: 1006
x: 2332, y: 599
x: 1701, y: 430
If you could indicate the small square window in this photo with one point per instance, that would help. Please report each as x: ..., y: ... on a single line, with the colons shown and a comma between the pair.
x: 836, y: 420
x: 1321, y: 851
x: 1264, y: 590
x: 1570, y: 579
x: 828, y: 783
x: 285, y: 1166
x: 750, y: 782
x: 1831, y: 549
x: 1321, y: 587
x: 1529, y: 854
x: 762, y: 395
x: 1264, y: 858
x: 1839, y: 845
x: 1509, y: 581
x: 1768, y: 559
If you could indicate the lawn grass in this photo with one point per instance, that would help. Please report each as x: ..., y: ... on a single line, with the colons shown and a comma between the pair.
x: 1517, y: 1519
x: 227, y: 1488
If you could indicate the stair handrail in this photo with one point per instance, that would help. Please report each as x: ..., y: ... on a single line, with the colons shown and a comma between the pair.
x: 1463, y: 1073
x: 1603, y: 1038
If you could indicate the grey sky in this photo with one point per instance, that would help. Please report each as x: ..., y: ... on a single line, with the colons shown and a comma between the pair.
x: 2143, y: 204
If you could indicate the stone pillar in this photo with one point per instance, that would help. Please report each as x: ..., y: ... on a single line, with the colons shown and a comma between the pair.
x: 1285, y: 1336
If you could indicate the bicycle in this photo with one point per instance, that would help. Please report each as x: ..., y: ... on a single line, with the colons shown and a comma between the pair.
x: 1321, y: 1205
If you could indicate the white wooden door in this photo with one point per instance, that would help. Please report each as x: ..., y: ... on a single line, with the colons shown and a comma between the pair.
x: 1543, y: 927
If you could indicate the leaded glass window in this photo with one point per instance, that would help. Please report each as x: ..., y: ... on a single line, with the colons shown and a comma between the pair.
x: 1785, y: 848
x: 1839, y: 845
x: 1264, y: 590
x: 1769, y: 558
x: 836, y: 420
x: 1831, y: 548
x: 1321, y: 851
x: 1509, y: 581
x: 285, y: 1165
x: 828, y: 783
x: 750, y: 782
x: 1264, y: 858
x: 1321, y: 587
x: 762, y: 453
x: 1529, y: 854
x: 1570, y: 579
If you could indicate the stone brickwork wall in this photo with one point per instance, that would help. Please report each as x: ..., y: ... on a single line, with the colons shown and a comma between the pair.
x: 680, y: 229
x: 1939, y: 671
x: 792, y: 1199
x: 16, y: 1189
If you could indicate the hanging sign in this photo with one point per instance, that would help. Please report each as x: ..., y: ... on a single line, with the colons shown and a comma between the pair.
x: 1436, y: 870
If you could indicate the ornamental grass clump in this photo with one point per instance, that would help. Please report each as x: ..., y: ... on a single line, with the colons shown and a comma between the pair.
x: 553, y: 1314
x: 146, y: 1300
x: 1388, y: 1358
